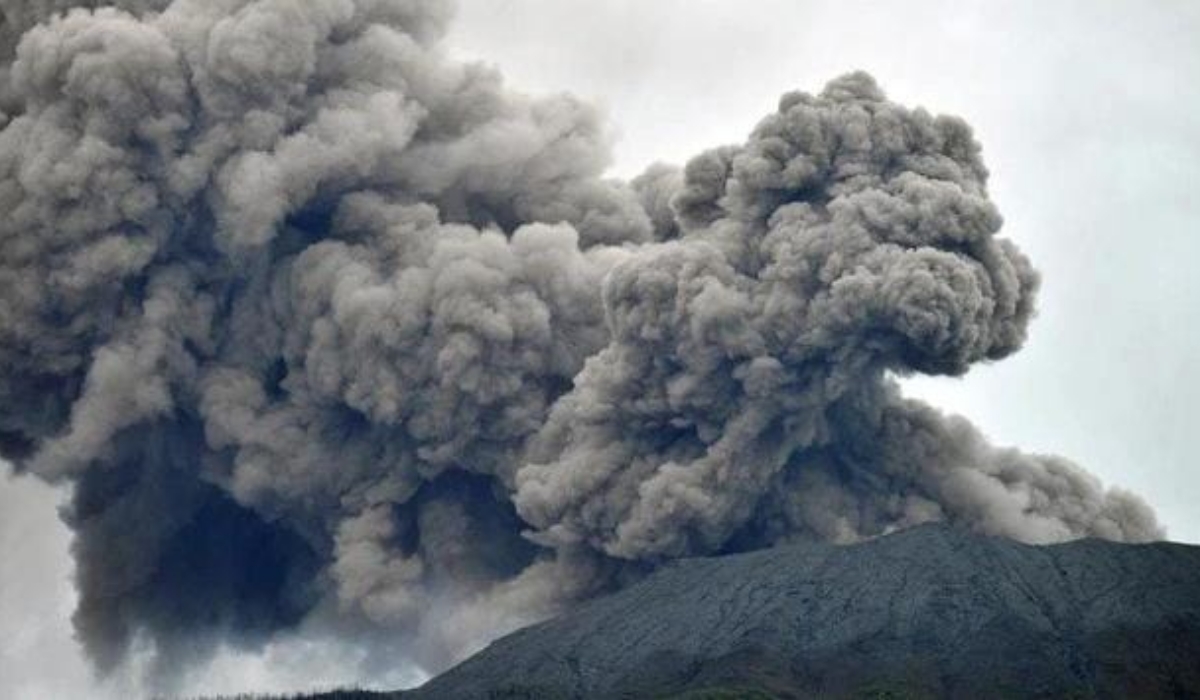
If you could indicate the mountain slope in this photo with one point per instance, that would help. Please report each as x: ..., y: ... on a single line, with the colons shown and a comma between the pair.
x: 929, y: 612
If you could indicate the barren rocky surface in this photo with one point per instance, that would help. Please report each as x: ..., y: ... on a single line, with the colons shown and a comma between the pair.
x: 929, y: 612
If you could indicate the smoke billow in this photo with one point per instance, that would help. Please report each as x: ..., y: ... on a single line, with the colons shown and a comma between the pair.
x: 317, y: 321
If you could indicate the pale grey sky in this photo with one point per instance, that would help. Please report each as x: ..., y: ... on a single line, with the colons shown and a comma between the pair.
x: 1087, y: 112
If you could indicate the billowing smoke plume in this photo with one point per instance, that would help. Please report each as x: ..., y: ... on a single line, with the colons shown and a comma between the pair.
x: 316, y: 320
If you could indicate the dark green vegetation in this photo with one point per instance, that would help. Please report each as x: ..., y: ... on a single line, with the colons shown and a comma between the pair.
x: 932, y: 612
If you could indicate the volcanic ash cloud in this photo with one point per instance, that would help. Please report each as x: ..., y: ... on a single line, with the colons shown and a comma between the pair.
x: 318, y: 322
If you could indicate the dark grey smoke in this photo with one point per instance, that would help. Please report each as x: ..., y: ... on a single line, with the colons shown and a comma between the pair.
x: 317, y: 321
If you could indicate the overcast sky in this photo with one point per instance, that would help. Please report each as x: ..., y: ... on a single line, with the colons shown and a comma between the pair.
x: 1087, y: 112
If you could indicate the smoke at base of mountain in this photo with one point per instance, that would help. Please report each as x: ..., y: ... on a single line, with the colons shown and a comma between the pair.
x: 316, y: 320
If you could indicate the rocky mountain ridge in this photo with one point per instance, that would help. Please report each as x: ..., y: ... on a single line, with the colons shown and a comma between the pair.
x: 933, y: 611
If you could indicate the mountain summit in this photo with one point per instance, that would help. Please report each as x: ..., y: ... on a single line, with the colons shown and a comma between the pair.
x: 933, y: 611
